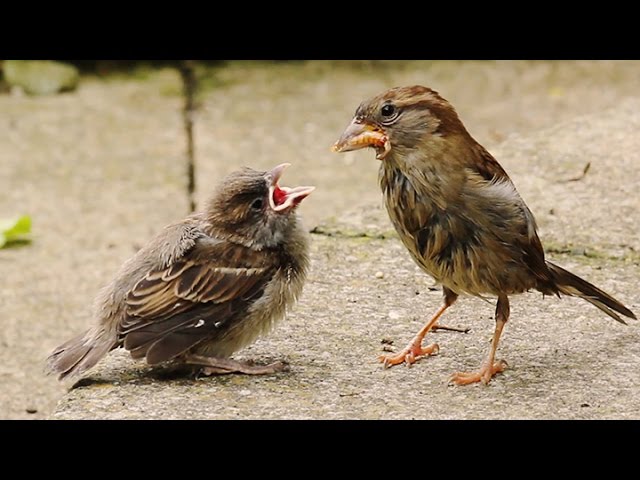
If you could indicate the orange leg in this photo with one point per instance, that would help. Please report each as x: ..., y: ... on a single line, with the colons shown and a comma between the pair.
x: 415, y: 349
x: 490, y: 367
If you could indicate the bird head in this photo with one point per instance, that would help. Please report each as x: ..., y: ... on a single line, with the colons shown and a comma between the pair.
x: 253, y: 208
x: 399, y: 120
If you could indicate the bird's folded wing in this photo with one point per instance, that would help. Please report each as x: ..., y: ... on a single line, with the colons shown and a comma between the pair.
x: 533, y: 253
x: 486, y: 166
x: 173, y: 309
x: 165, y: 293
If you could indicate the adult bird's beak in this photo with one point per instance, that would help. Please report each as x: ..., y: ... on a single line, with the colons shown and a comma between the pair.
x: 361, y: 134
x: 284, y: 198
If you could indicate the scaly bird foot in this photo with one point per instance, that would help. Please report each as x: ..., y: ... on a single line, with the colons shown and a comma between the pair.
x: 222, y: 366
x: 484, y: 375
x: 248, y: 369
x: 409, y: 355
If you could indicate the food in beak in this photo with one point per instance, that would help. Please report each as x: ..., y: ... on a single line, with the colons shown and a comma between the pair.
x: 361, y: 135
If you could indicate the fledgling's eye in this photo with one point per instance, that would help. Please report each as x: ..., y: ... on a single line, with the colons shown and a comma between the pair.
x: 257, y: 204
x: 389, y: 113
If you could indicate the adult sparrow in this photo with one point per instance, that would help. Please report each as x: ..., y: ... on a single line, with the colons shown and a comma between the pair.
x: 205, y: 286
x: 458, y: 213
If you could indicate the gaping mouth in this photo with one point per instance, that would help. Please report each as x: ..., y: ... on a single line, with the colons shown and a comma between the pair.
x: 284, y: 198
x: 361, y: 134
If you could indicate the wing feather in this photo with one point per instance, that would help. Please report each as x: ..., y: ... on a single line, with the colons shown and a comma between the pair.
x: 174, y: 308
x: 528, y: 241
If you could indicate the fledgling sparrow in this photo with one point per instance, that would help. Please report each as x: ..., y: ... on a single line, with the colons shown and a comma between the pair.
x: 205, y: 286
x: 458, y: 213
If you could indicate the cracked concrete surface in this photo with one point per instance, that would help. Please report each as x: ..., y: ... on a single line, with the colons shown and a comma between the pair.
x: 101, y: 169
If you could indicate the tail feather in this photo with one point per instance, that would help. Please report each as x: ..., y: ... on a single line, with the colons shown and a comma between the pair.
x: 570, y: 284
x: 79, y: 354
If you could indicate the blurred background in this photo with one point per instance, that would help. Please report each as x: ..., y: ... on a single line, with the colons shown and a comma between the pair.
x: 97, y: 155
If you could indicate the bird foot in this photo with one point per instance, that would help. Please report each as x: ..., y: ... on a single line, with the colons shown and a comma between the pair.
x: 223, y: 366
x: 484, y: 375
x: 409, y: 355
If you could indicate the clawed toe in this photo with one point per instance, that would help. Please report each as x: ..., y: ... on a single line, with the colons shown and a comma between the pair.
x: 484, y: 375
x: 223, y: 366
x: 409, y: 355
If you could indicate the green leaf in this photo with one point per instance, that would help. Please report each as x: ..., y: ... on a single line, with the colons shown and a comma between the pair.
x: 14, y: 229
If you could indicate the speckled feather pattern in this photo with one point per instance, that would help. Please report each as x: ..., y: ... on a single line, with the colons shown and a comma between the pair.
x: 453, y: 205
x: 451, y: 232
x: 207, y: 285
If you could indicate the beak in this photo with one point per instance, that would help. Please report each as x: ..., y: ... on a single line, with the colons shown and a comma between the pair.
x: 277, y: 172
x: 284, y: 198
x: 360, y: 134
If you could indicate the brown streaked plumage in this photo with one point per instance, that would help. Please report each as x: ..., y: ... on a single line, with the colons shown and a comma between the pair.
x: 206, y: 286
x: 458, y: 213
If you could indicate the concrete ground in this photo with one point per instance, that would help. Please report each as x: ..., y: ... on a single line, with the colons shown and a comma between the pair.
x: 103, y: 168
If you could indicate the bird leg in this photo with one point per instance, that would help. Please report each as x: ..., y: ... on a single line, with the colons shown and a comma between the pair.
x: 415, y: 349
x: 490, y: 367
x: 222, y: 366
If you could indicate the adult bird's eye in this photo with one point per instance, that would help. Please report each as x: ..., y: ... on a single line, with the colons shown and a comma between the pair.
x: 388, y: 110
x: 389, y: 114
x: 257, y: 204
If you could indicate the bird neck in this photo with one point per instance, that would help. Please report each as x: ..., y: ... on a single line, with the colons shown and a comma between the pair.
x: 280, y: 233
x: 433, y: 170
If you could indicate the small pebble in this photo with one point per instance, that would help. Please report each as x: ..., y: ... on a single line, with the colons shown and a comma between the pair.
x: 394, y: 315
x: 245, y: 392
x: 32, y: 410
x: 379, y: 275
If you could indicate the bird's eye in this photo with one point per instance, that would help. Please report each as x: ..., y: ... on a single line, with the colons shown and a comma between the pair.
x: 389, y: 113
x: 388, y: 110
x: 257, y: 204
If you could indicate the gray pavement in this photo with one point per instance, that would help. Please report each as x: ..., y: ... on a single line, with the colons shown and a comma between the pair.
x: 100, y: 170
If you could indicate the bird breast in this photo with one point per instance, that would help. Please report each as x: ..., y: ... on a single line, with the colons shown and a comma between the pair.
x: 280, y: 294
x: 465, y: 235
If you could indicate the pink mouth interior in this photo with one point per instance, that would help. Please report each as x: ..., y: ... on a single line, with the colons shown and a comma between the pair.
x: 279, y: 196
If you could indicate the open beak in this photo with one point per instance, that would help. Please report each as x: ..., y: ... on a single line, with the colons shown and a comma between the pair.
x: 284, y: 198
x: 360, y: 134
